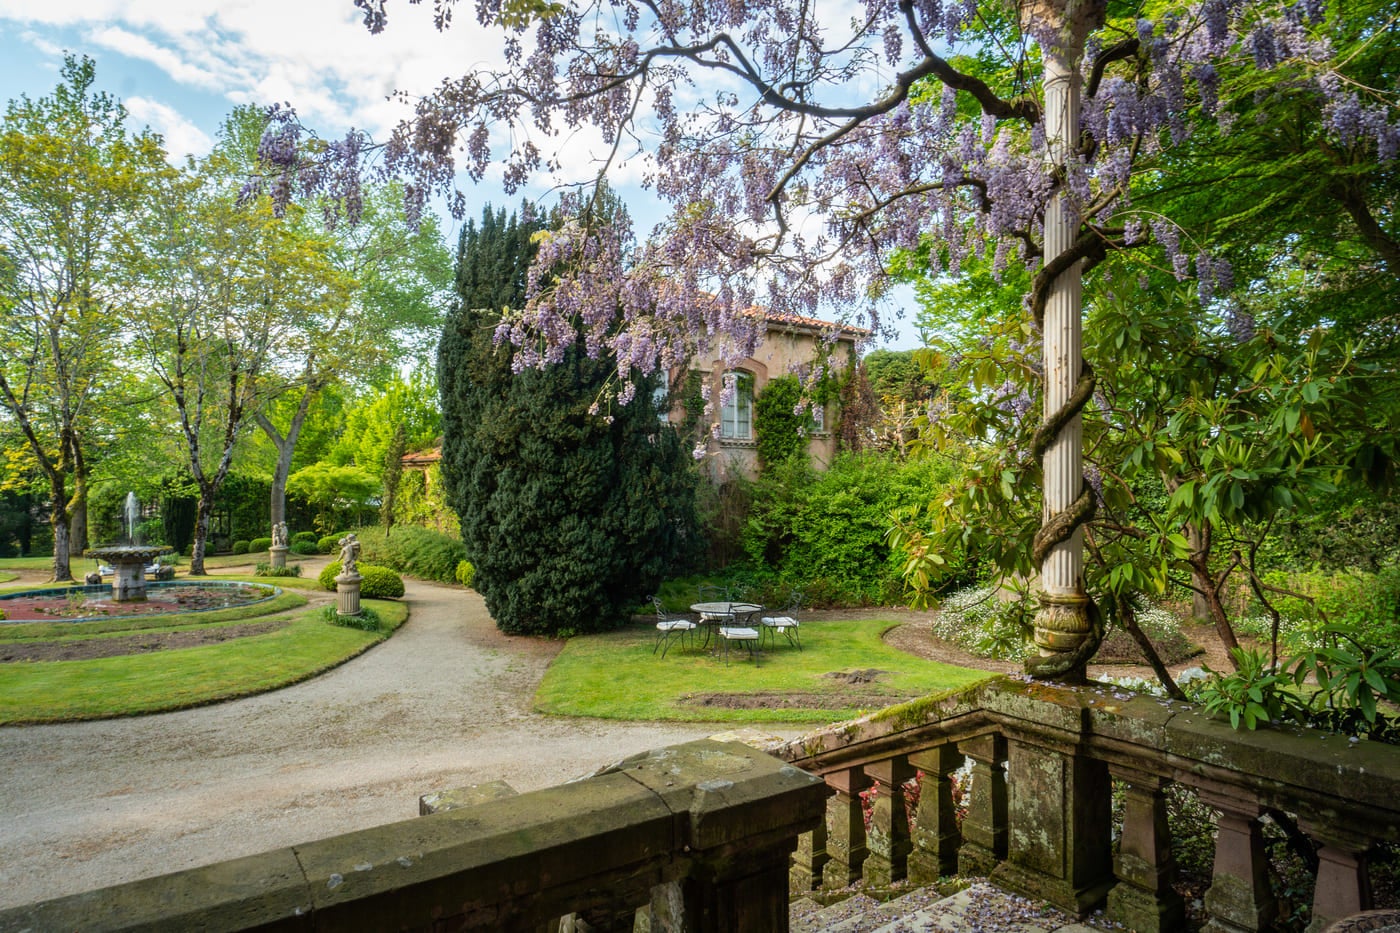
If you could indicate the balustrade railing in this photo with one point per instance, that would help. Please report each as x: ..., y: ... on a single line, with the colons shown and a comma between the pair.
x: 708, y: 836
x: 1038, y: 820
x: 694, y: 837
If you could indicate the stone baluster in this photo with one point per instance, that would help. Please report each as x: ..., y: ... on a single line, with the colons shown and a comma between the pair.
x: 1060, y: 844
x: 1343, y: 880
x: 936, y: 837
x: 808, y: 861
x: 984, y: 826
x: 845, y: 827
x: 1143, y: 899
x: 889, y: 823
x: 1239, y: 899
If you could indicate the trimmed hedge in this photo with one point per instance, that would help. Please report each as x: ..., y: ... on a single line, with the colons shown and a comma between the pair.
x: 326, y: 544
x: 302, y: 537
x: 375, y: 582
x: 259, y: 544
x: 304, y: 548
x: 239, y: 547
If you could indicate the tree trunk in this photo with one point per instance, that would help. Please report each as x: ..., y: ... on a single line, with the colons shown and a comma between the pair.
x: 286, y: 447
x: 204, y: 513
x: 1205, y: 584
x: 1200, y: 605
x: 62, y: 569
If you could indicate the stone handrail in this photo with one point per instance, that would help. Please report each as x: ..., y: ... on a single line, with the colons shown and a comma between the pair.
x: 695, y: 837
x: 1039, y: 822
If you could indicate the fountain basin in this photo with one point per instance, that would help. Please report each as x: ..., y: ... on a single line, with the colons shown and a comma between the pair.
x: 128, y: 562
x: 87, y: 603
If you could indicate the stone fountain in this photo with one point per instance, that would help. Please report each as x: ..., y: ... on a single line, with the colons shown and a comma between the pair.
x: 128, y: 561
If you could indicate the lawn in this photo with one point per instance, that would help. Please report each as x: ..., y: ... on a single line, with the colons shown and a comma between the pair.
x: 616, y: 676
x: 56, y: 691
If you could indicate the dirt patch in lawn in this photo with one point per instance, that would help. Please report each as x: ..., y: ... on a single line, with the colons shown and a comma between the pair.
x: 845, y: 699
x: 89, y: 648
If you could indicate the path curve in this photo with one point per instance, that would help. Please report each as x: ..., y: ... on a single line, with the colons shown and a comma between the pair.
x: 445, y: 702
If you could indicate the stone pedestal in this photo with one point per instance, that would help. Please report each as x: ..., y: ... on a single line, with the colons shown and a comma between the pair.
x: 347, y: 594
x: 128, y: 582
x: 277, y: 556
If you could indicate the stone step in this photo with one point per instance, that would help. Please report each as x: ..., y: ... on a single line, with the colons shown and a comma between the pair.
x: 979, y: 907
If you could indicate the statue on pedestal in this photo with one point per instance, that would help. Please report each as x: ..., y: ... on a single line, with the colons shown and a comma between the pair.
x: 349, y: 554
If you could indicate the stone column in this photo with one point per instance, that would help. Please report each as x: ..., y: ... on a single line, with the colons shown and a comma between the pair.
x: 845, y: 828
x: 1343, y: 881
x: 889, y: 824
x: 1059, y: 846
x: 1144, y: 899
x: 808, y: 862
x: 278, y: 556
x: 1239, y: 899
x: 1062, y: 624
x: 936, y: 837
x: 984, y: 827
x: 347, y: 594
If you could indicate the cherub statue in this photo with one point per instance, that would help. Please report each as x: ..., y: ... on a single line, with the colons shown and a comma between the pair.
x: 349, y: 553
x: 279, y: 534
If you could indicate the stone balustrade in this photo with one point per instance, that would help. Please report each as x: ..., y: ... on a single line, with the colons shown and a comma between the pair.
x: 1038, y: 822
x: 694, y: 837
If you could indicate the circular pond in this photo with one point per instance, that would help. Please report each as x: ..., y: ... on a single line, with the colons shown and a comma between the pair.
x: 86, y: 603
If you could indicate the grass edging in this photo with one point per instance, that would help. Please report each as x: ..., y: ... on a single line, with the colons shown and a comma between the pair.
x: 36, y: 692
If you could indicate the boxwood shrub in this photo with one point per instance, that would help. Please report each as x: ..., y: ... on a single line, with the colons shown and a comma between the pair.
x: 259, y: 544
x: 375, y: 582
x: 304, y: 548
x: 326, y: 544
x: 239, y: 547
x: 465, y: 572
x: 302, y: 537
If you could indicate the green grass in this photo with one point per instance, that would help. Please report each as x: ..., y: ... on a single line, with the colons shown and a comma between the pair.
x: 126, y: 625
x: 7, y: 577
x: 616, y: 676
x: 56, y: 691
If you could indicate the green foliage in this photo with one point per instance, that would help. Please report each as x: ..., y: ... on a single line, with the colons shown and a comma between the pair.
x: 422, y: 501
x: 326, y: 544
x: 569, y: 515
x: 375, y: 582
x: 781, y: 431
x: 372, y: 424
x: 303, y: 537
x: 304, y: 548
x: 825, y: 532
x: 465, y: 573
x: 418, y: 552
x: 264, y: 569
x: 259, y: 544
x: 1252, y: 694
x: 239, y: 547
x: 367, y: 621
x: 337, y: 493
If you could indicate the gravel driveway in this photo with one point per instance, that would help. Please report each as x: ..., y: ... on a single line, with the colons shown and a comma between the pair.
x: 443, y: 703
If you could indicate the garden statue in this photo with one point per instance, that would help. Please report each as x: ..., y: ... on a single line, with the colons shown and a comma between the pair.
x: 279, y: 534
x: 349, y: 554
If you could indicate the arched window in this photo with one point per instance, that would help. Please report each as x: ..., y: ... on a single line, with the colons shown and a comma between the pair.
x: 736, y: 409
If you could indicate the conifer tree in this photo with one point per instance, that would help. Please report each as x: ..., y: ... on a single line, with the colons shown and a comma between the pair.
x: 570, y: 514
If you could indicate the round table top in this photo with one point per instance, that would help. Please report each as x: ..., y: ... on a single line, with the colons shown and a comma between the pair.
x: 724, y: 608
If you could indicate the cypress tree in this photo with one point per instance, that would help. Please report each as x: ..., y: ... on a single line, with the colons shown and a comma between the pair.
x: 569, y: 518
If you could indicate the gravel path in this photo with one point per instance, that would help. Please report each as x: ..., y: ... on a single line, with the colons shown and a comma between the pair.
x: 443, y: 703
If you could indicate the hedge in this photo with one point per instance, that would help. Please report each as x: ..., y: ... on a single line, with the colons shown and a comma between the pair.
x: 375, y: 582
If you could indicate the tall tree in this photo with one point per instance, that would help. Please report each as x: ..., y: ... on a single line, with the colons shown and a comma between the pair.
x: 570, y: 512
x: 71, y: 179
x: 226, y: 286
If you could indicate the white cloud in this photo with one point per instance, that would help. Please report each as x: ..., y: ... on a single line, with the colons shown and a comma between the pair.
x: 182, y: 137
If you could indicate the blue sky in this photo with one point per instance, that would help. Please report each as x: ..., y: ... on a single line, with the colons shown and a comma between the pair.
x: 180, y: 66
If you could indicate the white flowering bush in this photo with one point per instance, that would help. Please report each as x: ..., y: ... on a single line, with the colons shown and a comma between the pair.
x: 978, y: 622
